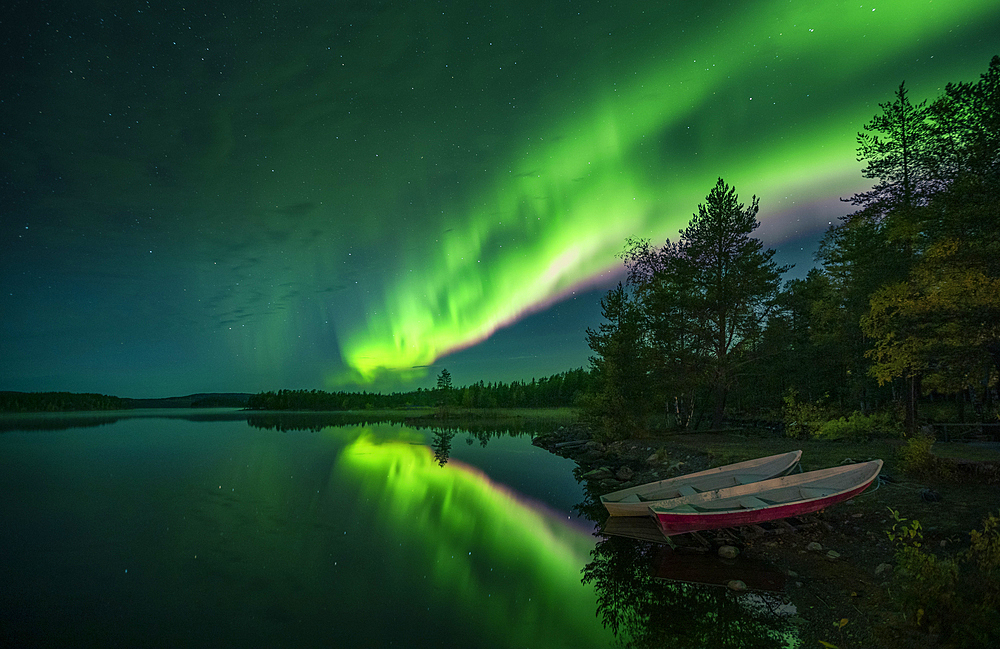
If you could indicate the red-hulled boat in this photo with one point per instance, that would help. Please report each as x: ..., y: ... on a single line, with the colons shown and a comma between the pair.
x: 768, y: 500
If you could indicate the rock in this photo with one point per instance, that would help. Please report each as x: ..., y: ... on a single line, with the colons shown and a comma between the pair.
x: 930, y: 496
x: 792, y: 574
x: 812, y: 547
x: 652, y: 459
x: 625, y: 474
x: 728, y: 552
x: 882, y: 567
x: 832, y: 555
x: 602, y: 473
x: 594, y: 446
x: 737, y: 585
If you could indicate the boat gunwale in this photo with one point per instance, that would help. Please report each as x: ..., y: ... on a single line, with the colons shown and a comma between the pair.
x: 613, y: 500
x: 805, y: 505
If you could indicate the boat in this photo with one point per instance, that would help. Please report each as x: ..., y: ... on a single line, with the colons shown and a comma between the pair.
x: 635, y: 501
x: 768, y: 500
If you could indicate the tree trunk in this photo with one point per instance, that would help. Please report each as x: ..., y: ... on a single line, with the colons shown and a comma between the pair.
x: 719, y: 409
x: 912, y: 385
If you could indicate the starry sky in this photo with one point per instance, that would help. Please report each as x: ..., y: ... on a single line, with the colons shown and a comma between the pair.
x: 245, y: 196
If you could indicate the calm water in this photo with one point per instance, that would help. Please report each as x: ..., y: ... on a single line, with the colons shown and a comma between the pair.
x: 169, y: 532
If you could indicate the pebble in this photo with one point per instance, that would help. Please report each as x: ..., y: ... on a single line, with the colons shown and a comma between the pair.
x: 814, y: 547
x: 882, y: 567
x: 728, y: 552
x: 832, y: 555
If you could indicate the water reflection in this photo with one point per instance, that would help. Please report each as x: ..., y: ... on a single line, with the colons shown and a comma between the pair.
x: 650, y: 596
x: 488, y: 554
x: 165, y: 525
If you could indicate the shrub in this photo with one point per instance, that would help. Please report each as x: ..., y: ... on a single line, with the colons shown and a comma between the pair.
x: 954, y: 597
x: 917, y: 459
x: 802, y: 419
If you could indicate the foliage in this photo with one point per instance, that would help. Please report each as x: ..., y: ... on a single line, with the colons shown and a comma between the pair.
x: 802, y: 419
x: 903, y: 535
x: 622, y: 399
x: 941, y: 323
x: 702, y: 304
x: 857, y: 426
x: 954, y: 597
x: 58, y: 402
x: 984, y: 552
x: 559, y: 390
x: 916, y: 458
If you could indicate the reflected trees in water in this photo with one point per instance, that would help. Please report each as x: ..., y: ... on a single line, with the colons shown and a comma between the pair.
x: 646, y: 612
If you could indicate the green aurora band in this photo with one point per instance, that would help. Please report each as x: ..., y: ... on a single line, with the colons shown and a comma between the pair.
x: 525, y: 587
x: 636, y: 157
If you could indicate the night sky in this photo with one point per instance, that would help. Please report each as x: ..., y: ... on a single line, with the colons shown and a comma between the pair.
x: 245, y: 196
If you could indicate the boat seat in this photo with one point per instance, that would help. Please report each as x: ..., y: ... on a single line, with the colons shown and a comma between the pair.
x: 752, y: 502
x: 687, y: 490
x: 813, y: 492
x: 631, y: 498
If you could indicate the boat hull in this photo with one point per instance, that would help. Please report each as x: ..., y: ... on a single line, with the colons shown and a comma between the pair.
x: 673, y: 521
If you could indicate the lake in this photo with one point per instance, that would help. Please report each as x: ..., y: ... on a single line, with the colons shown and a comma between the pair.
x: 198, y: 528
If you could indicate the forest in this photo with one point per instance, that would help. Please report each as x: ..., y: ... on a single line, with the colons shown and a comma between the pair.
x: 897, y: 326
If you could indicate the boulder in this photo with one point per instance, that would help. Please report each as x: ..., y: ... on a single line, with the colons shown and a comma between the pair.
x: 625, y: 474
x: 737, y: 585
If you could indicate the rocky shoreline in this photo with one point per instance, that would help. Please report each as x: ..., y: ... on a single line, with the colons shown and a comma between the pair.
x: 838, y: 569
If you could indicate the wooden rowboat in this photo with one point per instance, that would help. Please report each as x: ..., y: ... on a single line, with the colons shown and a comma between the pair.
x: 768, y: 500
x: 635, y: 501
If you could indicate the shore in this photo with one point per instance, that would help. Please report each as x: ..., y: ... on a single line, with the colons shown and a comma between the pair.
x: 841, y: 567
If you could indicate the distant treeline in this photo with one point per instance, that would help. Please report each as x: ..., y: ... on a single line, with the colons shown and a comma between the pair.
x: 558, y: 390
x: 58, y: 402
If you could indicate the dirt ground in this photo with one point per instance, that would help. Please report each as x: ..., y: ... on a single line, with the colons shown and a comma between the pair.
x: 852, y: 583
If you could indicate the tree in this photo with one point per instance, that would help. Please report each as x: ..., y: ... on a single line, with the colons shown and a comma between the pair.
x: 918, y: 266
x: 444, y: 380
x: 444, y: 389
x: 897, y: 147
x: 943, y: 324
x: 707, y: 297
x: 622, y: 392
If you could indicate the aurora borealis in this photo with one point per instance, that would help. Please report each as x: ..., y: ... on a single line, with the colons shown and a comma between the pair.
x: 242, y: 197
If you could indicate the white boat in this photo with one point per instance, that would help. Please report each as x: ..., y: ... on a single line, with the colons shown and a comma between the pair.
x: 636, y: 501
